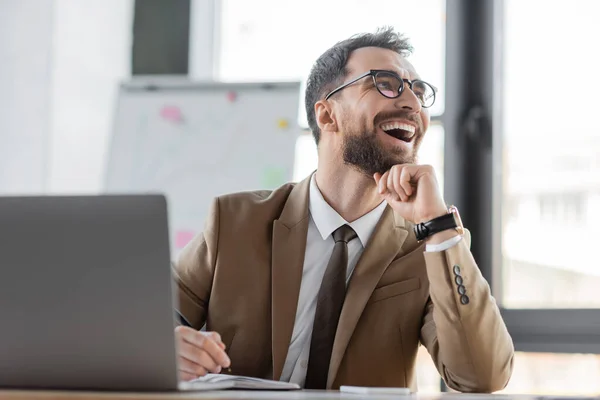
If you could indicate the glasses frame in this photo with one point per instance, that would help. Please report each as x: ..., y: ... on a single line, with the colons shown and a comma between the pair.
x: 373, y: 73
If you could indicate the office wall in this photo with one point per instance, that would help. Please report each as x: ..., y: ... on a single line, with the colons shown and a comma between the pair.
x: 92, y: 46
x: 62, y: 61
x: 25, y: 68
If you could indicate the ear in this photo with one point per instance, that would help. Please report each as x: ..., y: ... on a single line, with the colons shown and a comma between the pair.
x: 325, y: 116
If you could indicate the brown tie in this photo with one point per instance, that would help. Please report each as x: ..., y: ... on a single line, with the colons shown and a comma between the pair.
x: 329, y: 306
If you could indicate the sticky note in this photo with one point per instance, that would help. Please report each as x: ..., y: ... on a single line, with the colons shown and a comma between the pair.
x: 273, y: 177
x: 231, y: 96
x: 183, y: 237
x: 172, y: 114
x: 283, y: 123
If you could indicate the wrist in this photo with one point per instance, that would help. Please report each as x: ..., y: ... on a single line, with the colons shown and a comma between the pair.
x: 432, y: 215
x: 443, y: 227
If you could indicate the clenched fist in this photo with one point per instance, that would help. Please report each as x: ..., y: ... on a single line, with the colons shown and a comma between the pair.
x: 412, y: 191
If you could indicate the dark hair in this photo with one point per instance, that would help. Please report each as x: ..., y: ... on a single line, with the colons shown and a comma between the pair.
x: 330, y: 68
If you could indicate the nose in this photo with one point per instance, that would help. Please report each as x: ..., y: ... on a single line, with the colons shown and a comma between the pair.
x: 408, y: 101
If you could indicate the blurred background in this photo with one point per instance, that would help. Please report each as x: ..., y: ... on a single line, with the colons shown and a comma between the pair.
x: 195, y: 98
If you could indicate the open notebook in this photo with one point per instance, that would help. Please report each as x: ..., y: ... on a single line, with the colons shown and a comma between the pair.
x: 223, y: 381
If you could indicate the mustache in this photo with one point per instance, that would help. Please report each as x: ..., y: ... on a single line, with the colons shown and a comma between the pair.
x: 385, y: 115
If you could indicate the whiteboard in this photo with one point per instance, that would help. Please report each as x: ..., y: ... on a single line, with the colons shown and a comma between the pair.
x: 193, y: 141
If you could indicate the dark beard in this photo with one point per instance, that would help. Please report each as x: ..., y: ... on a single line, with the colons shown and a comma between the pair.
x: 364, y: 152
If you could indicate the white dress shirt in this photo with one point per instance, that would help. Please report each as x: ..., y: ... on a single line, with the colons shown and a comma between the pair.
x: 324, y: 220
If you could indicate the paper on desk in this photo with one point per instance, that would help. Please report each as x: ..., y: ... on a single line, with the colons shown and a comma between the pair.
x: 204, y: 386
x: 223, y: 381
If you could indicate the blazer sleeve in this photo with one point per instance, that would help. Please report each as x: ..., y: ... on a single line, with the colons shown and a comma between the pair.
x: 462, y: 327
x: 193, y: 271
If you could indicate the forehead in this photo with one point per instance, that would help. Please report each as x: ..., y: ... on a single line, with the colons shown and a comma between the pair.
x: 367, y: 58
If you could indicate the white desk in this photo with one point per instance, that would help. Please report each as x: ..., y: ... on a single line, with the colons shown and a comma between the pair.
x: 257, y: 395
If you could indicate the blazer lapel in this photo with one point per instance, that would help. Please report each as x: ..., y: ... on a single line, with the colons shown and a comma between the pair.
x: 289, y: 244
x: 384, y: 246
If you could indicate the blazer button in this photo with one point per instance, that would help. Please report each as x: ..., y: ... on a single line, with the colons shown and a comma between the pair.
x: 464, y: 299
x: 458, y: 279
x: 462, y: 290
x: 304, y: 364
x: 456, y: 270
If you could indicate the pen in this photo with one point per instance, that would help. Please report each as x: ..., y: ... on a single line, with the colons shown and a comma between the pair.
x: 182, y: 320
x: 228, y: 370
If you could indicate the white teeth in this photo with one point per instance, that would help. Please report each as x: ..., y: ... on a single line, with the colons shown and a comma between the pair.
x: 398, y: 125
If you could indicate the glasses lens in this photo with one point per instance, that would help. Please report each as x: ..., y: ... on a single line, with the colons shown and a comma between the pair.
x: 388, y: 84
x: 424, y: 93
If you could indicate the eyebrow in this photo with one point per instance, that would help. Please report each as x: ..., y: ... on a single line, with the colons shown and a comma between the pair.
x: 412, y: 75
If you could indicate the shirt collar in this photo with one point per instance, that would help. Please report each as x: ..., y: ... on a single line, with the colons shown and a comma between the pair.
x: 328, y: 220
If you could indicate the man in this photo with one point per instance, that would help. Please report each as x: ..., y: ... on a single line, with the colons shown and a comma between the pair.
x: 265, y: 274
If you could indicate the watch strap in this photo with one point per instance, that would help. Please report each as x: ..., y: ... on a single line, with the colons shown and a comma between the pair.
x: 439, y: 224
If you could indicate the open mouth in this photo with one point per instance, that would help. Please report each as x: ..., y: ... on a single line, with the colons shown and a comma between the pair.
x: 399, y: 130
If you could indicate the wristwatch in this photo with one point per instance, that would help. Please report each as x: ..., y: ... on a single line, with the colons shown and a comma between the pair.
x: 451, y: 220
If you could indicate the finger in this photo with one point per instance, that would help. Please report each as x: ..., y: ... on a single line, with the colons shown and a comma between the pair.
x: 405, y: 178
x: 198, y: 356
x: 382, y: 186
x: 396, y: 171
x: 214, y: 336
x: 184, y: 332
x: 186, y: 366
x: 206, y: 360
x: 390, y: 186
x: 216, y: 351
x: 403, y: 208
x: 205, y: 341
x: 217, y: 338
x: 185, y: 376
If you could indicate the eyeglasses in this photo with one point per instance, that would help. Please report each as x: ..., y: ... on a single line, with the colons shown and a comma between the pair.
x: 390, y: 85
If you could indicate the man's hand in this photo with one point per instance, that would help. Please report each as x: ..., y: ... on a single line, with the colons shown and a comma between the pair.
x: 199, y: 353
x: 412, y: 191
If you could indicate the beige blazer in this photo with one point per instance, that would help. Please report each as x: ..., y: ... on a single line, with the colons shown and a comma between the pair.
x: 241, y: 277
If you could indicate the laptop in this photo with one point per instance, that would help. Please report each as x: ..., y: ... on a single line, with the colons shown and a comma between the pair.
x: 86, y: 295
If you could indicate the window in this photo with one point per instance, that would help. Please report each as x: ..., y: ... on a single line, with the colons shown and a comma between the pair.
x: 555, y: 374
x: 282, y: 44
x: 428, y: 377
x: 551, y: 184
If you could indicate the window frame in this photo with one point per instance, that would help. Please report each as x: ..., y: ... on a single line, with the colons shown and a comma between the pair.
x: 473, y: 120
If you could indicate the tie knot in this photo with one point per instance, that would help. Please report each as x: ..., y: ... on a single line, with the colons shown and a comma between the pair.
x: 344, y: 233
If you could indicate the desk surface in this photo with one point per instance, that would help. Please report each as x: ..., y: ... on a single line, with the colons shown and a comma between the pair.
x: 258, y: 395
